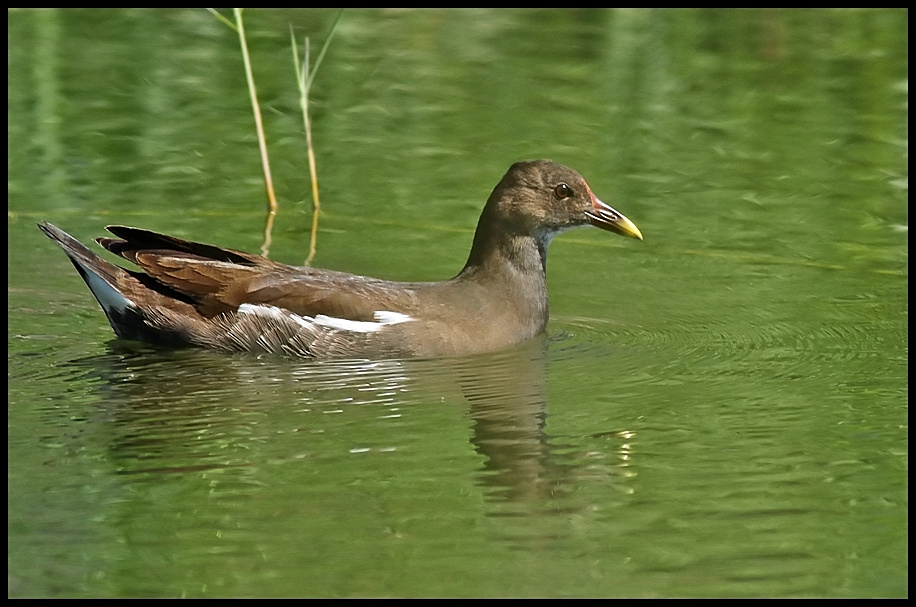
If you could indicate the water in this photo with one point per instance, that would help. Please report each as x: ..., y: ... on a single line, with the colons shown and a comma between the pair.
x: 717, y: 411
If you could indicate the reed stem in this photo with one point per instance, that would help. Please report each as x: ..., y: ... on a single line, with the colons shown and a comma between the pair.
x: 272, y: 206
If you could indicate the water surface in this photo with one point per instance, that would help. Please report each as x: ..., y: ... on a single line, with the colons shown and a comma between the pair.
x: 719, y: 410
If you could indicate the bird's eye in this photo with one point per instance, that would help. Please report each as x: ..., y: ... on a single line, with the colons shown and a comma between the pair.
x: 562, y: 191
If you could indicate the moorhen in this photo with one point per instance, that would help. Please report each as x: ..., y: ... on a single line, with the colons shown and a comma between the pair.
x: 193, y: 294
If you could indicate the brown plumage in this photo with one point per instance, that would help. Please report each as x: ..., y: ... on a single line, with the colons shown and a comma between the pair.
x: 196, y: 294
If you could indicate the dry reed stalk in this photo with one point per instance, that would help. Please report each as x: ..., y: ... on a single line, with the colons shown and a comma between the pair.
x: 304, y: 77
x: 262, y: 140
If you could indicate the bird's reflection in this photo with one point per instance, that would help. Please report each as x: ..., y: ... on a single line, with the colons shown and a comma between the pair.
x: 192, y: 410
x: 506, y: 394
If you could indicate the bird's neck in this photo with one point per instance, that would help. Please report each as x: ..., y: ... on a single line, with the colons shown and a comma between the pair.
x: 511, y: 268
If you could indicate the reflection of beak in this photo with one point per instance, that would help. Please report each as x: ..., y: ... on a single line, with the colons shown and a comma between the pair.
x: 604, y: 217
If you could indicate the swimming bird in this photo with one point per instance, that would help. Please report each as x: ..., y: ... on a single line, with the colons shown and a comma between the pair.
x: 192, y: 294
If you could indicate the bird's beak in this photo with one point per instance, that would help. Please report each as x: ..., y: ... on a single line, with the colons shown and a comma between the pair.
x: 604, y: 217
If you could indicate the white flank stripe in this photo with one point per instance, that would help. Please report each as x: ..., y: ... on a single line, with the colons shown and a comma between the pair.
x: 274, y: 312
x: 387, y: 317
x: 260, y: 310
x: 383, y: 318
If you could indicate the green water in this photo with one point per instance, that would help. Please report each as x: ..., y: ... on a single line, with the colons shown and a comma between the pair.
x: 720, y: 410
